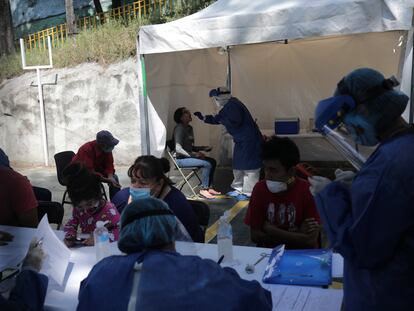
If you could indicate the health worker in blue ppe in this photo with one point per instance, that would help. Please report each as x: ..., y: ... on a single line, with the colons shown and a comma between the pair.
x: 369, y: 217
x: 153, y: 276
x: 239, y: 123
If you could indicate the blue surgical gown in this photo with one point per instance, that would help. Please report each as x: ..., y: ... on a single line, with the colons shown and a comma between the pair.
x: 372, y: 227
x: 247, y: 138
x: 169, y: 281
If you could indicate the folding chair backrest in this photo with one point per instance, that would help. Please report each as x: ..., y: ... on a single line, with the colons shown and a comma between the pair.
x: 185, y: 177
x: 54, y: 211
x: 170, y: 145
x: 62, y: 160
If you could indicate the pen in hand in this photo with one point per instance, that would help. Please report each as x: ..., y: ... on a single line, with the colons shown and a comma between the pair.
x: 220, y: 259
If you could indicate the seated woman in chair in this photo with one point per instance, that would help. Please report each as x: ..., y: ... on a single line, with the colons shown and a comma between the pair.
x: 189, y: 155
x: 148, y: 179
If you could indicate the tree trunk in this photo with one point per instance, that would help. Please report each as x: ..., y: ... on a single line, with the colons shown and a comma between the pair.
x: 6, y: 29
x: 98, y: 7
x: 70, y: 17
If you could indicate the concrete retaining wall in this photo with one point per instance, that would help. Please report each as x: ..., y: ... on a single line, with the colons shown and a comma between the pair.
x: 84, y: 100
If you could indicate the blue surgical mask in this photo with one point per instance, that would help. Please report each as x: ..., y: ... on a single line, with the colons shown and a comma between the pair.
x: 362, y: 129
x: 139, y: 193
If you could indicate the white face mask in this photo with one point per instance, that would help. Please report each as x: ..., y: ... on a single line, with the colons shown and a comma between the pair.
x: 276, y: 186
x: 221, y: 100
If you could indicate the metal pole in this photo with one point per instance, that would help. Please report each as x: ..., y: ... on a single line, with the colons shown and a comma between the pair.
x: 49, y: 45
x: 23, y: 53
x: 42, y: 118
x: 411, y: 109
x: 228, y: 69
x: 146, y: 147
x: 143, y: 102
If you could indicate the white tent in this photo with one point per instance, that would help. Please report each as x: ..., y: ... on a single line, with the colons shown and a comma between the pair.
x: 280, y: 57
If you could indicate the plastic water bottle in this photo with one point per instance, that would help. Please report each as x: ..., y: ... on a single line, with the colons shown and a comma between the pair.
x: 225, y: 238
x: 101, y: 238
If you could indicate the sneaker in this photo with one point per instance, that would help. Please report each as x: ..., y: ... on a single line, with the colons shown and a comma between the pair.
x: 242, y: 197
x: 233, y: 194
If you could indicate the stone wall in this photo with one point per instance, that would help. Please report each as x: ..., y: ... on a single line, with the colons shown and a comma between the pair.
x: 84, y: 100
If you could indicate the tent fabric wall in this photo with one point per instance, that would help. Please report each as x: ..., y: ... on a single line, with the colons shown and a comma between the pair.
x: 273, y: 80
x: 182, y: 79
x: 245, y: 22
x: 330, y: 38
x: 288, y: 80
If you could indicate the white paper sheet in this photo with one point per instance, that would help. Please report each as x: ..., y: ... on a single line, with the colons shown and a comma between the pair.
x: 300, y: 298
x: 337, y: 266
x: 58, y: 254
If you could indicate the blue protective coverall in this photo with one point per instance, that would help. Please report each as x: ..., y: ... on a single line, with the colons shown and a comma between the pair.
x: 28, y: 294
x: 372, y: 227
x: 169, y: 281
x: 247, y: 138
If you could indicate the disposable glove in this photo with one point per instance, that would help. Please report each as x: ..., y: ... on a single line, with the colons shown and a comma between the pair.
x: 344, y: 176
x: 199, y: 115
x: 35, y: 256
x: 318, y: 183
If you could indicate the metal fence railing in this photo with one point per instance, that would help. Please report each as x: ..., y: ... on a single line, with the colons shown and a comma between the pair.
x: 58, y: 34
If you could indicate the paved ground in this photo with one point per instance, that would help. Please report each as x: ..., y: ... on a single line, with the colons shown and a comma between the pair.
x: 46, y: 177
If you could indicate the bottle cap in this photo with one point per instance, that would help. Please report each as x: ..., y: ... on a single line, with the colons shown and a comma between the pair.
x: 101, y: 224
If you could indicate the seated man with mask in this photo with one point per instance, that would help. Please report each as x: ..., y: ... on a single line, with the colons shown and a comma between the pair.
x: 282, y: 209
x: 153, y: 276
x: 97, y: 156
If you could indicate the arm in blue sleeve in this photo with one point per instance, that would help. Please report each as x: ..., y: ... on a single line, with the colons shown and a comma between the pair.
x: 369, y: 238
x: 212, y: 119
x: 29, y: 292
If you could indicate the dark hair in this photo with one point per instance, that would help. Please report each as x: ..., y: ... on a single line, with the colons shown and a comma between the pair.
x: 178, y: 114
x: 81, y: 184
x: 282, y: 149
x: 151, y: 167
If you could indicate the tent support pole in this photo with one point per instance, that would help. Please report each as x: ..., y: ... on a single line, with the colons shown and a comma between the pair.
x: 228, y: 81
x: 411, y: 109
x: 143, y: 103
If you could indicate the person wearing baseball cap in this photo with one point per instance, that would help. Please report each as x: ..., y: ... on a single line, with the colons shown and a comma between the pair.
x: 97, y: 156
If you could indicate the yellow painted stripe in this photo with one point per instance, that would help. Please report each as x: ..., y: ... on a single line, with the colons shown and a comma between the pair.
x: 336, y: 285
x: 211, y: 232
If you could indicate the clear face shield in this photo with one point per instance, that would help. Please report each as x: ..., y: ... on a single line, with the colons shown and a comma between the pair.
x: 341, y: 143
x: 329, y: 120
x: 220, y: 96
x: 220, y: 101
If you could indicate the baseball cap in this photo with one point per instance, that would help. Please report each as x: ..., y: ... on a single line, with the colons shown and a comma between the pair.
x: 106, y: 138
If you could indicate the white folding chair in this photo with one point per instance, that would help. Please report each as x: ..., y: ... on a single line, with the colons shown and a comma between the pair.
x: 186, y: 173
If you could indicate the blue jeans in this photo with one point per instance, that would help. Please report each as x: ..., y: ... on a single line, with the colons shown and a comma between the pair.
x: 208, y: 165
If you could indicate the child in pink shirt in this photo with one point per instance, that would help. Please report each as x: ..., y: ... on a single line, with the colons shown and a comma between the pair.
x: 84, y: 190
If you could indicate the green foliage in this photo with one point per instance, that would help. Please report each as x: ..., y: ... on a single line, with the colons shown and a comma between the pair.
x: 112, y: 42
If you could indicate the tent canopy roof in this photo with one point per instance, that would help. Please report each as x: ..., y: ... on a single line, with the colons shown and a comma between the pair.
x: 235, y: 22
